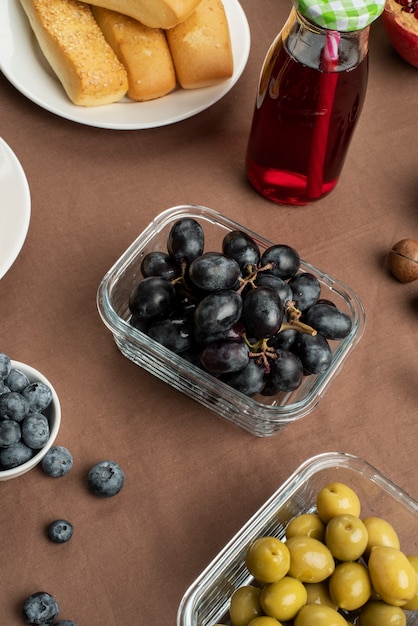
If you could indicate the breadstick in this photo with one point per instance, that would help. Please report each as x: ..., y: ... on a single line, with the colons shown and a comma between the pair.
x: 77, y: 51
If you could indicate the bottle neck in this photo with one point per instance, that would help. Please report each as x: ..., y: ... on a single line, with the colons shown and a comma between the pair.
x: 324, y: 49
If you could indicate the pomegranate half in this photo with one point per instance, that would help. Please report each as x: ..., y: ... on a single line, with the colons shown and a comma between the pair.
x: 400, y: 20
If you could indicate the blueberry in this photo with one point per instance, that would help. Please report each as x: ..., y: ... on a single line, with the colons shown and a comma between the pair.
x: 13, y: 406
x: 106, y: 479
x: 35, y: 430
x: 65, y: 622
x: 15, y: 455
x: 57, y: 461
x: 60, y: 531
x: 40, y: 608
x: 10, y: 433
x: 3, y: 387
x: 16, y: 380
x: 38, y: 395
x: 5, y: 365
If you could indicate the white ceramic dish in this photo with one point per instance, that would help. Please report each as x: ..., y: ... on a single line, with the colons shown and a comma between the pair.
x: 15, y: 207
x: 24, y: 65
x: 53, y: 413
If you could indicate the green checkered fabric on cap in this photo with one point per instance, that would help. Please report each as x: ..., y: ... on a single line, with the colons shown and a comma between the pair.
x: 342, y: 15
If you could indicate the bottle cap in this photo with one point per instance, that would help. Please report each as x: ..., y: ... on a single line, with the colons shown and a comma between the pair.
x: 341, y: 15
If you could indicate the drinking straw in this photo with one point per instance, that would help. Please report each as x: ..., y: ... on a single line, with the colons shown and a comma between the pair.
x: 327, y: 86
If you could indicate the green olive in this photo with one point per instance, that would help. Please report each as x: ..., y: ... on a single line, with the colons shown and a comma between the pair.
x: 319, y: 615
x: 393, y: 575
x: 318, y: 593
x: 265, y: 620
x: 335, y: 499
x: 350, y: 586
x: 245, y: 605
x: 308, y: 524
x: 310, y: 560
x: 268, y: 559
x: 380, y: 533
x: 412, y: 605
x: 346, y: 537
x: 283, y: 599
x: 379, y: 613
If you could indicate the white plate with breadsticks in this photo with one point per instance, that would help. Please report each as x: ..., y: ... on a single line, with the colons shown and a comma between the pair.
x: 26, y: 67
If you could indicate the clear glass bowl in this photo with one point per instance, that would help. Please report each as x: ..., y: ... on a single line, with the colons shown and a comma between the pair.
x: 206, y: 602
x: 261, y: 416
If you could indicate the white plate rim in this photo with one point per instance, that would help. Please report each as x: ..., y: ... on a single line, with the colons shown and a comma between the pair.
x: 23, y: 64
x: 15, y: 207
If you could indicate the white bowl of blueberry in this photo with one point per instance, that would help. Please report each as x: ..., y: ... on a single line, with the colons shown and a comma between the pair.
x: 30, y: 417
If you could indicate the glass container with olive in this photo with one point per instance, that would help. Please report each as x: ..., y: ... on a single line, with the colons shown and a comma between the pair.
x: 332, y: 568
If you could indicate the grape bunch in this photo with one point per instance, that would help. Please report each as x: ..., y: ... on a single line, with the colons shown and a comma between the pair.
x: 251, y: 318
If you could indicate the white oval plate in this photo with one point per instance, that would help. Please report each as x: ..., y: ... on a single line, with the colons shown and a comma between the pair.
x: 24, y: 65
x: 15, y: 207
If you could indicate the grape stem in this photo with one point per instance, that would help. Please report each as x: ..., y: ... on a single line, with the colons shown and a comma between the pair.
x: 181, y: 285
x: 261, y: 351
x: 253, y: 271
x: 294, y: 322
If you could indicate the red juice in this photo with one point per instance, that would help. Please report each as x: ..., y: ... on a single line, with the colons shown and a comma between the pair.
x: 287, y: 129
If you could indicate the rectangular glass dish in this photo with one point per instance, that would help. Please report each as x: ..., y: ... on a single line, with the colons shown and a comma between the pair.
x: 206, y: 602
x: 260, y: 415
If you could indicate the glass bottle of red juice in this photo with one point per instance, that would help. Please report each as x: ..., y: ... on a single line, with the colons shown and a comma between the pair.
x: 310, y: 94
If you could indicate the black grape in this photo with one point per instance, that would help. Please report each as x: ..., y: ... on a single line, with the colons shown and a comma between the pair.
x: 139, y: 324
x: 263, y: 313
x: 175, y: 333
x: 235, y: 332
x: 314, y: 352
x: 274, y: 282
x: 306, y: 289
x: 284, y: 339
x: 328, y: 320
x: 286, y: 371
x: 212, y: 271
x: 285, y: 261
x: 249, y: 380
x: 218, y: 312
x: 186, y: 240
x: 160, y: 264
x: 152, y: 297
x: 239, y: 246
x: 225, y: 356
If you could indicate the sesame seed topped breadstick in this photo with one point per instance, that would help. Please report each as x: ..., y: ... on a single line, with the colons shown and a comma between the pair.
x: 77, y: 51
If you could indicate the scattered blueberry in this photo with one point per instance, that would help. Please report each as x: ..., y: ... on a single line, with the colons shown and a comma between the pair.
x: 5, y: 365
x: 65, y: 622
x: 57, y: 462
x: 106, y: 479
x: 13, y: 406
x: 38, y: 395
x: 60, y: 531
x: 16, y: 380
x: 35, y: 430
x: 10, y: 433
x: 40, y: 608
x: 15, y: 455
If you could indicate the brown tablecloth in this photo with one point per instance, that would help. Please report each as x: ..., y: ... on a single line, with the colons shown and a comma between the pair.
x: 192, y: 479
